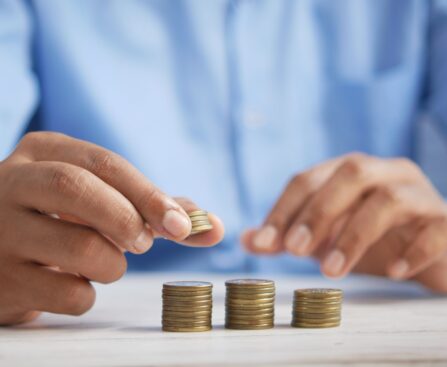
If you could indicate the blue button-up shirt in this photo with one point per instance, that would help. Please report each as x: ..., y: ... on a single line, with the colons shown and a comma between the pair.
x: 223, y: 101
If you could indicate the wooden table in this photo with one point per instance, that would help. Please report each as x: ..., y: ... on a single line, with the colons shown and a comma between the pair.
x: 384, y: 324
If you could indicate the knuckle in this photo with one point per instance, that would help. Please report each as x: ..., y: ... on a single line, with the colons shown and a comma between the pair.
x: 422, y: 252
x: 61, y: 180
x: 352, y: 242
x: 354, y: 166
x: 388, y: 195
x: 358, y: 156
x: 300, y: 181
x: 148, y: 197
x: 38, y: 137
x: 65, y: 181
x: 278, y: 219
x: 33, y: 137
x: 320, y: 212
x: 103, y: 164
x: 128, y: 222
x: 441, y: 222
x: 408, y: 164
x: 79, y: 298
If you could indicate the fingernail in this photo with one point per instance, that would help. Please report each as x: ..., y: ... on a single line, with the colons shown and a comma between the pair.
x: 334, y: 262
x: 176, y: 223
x: 399, y: 269
x: 144, y: 241
x: 265, y: 237
x: 298, y: 239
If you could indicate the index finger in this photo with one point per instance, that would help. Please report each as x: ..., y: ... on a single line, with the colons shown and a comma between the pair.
x: 163, y: 214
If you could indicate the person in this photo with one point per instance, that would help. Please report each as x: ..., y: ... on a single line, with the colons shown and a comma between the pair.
x: 293, y: 121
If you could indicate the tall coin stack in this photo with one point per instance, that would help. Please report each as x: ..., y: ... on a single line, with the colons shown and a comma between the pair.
x: 200, y: 222
x: 250, y: 304
x: 317, y: 308
x: 187, y: 306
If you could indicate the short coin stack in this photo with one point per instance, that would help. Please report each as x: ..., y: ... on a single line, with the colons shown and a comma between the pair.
x: 187, y: 306
x: 200, y: 222
x: 317, y: 308
x: 249, y: 304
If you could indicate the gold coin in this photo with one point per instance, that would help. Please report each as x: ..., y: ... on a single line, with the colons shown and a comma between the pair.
x: 190, y: 305
x: 319, y: 292
x: 313, y: 311
x: 189, y: 316
x: 197, y: 212
x: 186, y: 322
x: 248, y: 312
x: 249, y: 327
x: 177, y: 323
x: 254, y: 283
x: 196, y: 220
x: 201, y: 218
x: 309, y: 310
x: 316, y: 321
x: 188, y: 310
x: 187, y: 301
x: 237, y: 316
x: 259, y: 320
x: 255, y: 301
x: 187, y: 285
x: 186, y: 329
x: 201, y: 229
x: 187, y: 307
x: 253, y: 308
x: 307, y: 315
x: 247, y: 323
x: 252, y: 296
x: 185, y: 295
x: 200, y: 224
x: 307, y: 303
x: 187, y: 291
x: 240, y: 294
x: 180, y: 297
x: 186, y: 314
x: 316, y: 326
x: 316, y: 304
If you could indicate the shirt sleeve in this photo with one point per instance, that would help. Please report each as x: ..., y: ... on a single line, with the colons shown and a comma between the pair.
x: 18, y: 90
x: 437, y: 65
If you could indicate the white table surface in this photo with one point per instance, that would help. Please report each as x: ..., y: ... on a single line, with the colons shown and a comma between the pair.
x: 383, y: 324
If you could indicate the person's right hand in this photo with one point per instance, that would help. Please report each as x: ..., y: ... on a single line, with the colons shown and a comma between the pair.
x: 100, y: 206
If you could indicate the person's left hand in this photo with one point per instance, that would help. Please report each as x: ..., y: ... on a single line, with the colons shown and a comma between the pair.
x: 361, y: 213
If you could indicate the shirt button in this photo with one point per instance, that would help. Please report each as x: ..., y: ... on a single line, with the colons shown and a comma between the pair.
x: 253, y: 119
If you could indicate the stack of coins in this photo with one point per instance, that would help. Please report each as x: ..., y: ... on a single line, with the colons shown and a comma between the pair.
x: 187, y: 306
x: 200, y: 222
x: 317, y: 308
x: 250, y: 304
